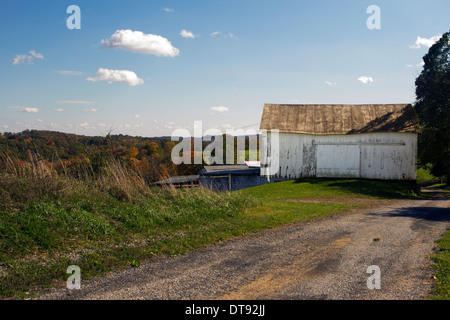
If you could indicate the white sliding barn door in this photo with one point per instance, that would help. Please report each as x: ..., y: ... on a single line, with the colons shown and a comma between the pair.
x: 338, y: 160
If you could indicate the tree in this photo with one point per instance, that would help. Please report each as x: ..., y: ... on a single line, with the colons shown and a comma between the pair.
x: 433, y: 108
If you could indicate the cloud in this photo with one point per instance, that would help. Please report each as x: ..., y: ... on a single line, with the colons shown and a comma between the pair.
x: 36, y: 55
x: 168, y: 10
x: 26, y: 109
x: 91, y: 110
x: 75, y: 102
x: 331, y: 83
x: 30, y: 110
x: 59, y: 109
x: 70, y: 72
x: 187, y: 34
x: 125, y: 76
x: 84, y: 124
x: 25, y: 58
x: 229, y: 35
x: 21, y: 58
x: 426, y: 42
x: 219, y: 109
x: 137, y: 41
x: 420, y: 64
x: 365, y: 80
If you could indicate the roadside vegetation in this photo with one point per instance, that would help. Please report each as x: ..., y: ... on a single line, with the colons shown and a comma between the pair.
x: 110, y: 219
x: 442, y: 266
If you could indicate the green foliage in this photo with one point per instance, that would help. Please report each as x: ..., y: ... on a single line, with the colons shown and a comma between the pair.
x: 442, y: 267
x: 433, y: 108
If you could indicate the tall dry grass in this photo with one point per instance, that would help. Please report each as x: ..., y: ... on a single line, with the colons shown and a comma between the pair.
x: 24, y: 182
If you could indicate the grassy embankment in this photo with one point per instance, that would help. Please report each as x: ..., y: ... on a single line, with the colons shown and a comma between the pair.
x: 441, y: 259
x: 113, y: 220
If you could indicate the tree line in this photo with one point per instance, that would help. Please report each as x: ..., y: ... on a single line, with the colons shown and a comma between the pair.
x: 69, y: 153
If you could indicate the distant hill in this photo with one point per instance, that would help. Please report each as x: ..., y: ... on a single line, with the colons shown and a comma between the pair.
x: 150, y: 156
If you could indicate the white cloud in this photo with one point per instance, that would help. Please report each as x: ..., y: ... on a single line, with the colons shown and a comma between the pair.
x: 26, y: 109
x: 30, y: 110
x: 36, y: 54
x: 69, y: 72
x: 426, y: 42
x: 84, y: 124
x: 21, y: 58
x: 219, y: 109
x: 365, y: 80
x: 91, y: 110
x: 168, y: 10
x: 125, y: 76
x: 331, y: 83
x: 59, y: 109
x: 24, y: 58
x: 75, y: 102
x: 229, y: 35
x: 171, y: 125
x: 138, y: 41
x: 187, y: 34
x: 420, y: 64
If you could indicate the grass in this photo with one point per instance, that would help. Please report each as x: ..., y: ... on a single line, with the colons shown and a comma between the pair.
x: 301, y: 200
x: 113, y: 220
x: 441, y: 261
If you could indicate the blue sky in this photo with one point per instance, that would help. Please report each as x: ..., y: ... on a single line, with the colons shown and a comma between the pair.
x: 232, y: 57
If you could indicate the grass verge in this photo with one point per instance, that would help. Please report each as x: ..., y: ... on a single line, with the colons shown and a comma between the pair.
x: 441, y: 264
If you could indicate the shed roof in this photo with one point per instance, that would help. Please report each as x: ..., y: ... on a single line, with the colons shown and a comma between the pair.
x: 219, y: 170
x: 178, y: 180
x: 339, y: 119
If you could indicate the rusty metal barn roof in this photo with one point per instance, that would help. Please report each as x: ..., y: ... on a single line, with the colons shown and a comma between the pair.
x: 339, y: 119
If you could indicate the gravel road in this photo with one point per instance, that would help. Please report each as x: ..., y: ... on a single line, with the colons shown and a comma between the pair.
x: 325, y: 259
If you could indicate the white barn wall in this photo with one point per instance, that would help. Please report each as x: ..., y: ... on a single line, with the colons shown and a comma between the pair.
x: 388, y: 156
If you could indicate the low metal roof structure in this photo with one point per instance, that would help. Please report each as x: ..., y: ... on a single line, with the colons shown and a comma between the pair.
x: 178, y: 181
x: 222, y: 170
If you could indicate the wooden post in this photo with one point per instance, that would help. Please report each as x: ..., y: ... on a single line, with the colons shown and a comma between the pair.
x: 229, y: 181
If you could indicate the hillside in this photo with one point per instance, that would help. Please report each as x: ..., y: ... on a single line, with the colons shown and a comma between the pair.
x: 68, y: 152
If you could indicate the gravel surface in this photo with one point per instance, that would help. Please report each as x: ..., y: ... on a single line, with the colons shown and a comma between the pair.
x: 325, y: 259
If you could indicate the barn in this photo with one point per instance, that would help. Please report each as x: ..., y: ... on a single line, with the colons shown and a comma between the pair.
x: 346, y: 141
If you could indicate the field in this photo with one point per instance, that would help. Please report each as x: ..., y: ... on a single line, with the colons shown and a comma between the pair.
x: 110, y: 221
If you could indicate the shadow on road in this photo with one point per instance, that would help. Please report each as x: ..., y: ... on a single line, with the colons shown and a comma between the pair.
x: 427, y: 213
